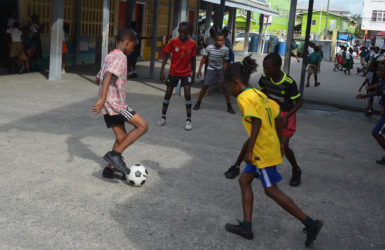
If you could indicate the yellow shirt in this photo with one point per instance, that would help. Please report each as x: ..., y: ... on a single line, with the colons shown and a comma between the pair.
x: 254, y: 103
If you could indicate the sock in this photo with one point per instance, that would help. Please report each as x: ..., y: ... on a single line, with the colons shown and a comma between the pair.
x: 308, y: 221
x: 165, y: 107
x: 228, y: 104
x: 188, y: 109
x: 115, y: 152
x: 246, y: 225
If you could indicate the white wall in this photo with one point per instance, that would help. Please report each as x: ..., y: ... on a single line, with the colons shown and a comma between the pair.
x: 369, y: 6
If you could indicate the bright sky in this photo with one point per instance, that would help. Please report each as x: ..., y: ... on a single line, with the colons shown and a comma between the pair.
x: 354, y: 6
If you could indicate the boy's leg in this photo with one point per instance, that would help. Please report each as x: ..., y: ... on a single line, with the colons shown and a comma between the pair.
x: 228, y: 102
x: 315, y: 78
x: 308, y: 78
x: 166, y: 99
x: 285, y: 202
x: 140, y: 127
x: 247, y: 195
x: 296, y: 170
x: 209, y: 79
x: 187, y: 98
x: 312, y: 227
x: 244, y: 228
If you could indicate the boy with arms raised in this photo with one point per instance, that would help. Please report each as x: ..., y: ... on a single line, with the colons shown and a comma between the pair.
x: 112, y: 93
x: 183, y: 53
x: 260, y: 117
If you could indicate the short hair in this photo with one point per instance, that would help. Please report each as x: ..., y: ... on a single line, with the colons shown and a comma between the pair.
x: 185, y: 25
x: 273, y: 58
x: 126, y: 34
x: 219, y: 34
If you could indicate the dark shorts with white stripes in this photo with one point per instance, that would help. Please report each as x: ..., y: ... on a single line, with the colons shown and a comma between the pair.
x: 120, y: 119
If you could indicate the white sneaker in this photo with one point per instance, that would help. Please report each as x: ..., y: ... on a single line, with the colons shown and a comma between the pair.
x: 188, y: 125
x: 162, y: 122
x: 63, y: 71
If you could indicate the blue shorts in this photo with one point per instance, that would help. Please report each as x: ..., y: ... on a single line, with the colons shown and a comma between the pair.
x: 379, y: 128
x: 268, y: 176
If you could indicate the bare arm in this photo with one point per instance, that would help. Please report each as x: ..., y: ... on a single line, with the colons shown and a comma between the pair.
x: 165, y: 58
x: 241, y: 155
x: 255, y: 126
x: 200, y: 66
x: 278, y: 129
x: 363, y: 84
x: 224, y: 64
x: 105, y: 85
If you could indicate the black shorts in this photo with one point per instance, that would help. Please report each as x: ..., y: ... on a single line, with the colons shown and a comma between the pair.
x: 120, y: 119
x: 173, y: 81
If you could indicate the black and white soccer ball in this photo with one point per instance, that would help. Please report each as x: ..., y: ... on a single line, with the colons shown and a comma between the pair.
x: 137, y: 176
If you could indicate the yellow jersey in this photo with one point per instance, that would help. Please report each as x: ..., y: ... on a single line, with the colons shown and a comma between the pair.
x: 254, y: 103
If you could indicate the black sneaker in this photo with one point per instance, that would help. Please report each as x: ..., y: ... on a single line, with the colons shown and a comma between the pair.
x: 230, y: 109
x: 307, y: 85
x: 295, y: 177
x: 316, y: 84
x: 369, y: 112
x: 116, y: 161
x: 382, y: 161
x: 237, y: 229
x: 312, y: 232
x: 232, y: 172
x: 113, y: 173
x: 197, y: 106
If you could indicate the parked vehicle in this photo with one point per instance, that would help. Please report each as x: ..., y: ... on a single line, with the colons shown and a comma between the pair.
x: 241, y: 36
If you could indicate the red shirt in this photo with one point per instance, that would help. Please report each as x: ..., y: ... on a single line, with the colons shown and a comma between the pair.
x: 182, y: 54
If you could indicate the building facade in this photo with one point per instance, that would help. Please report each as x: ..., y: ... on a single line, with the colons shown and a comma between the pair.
x: 373, y: 16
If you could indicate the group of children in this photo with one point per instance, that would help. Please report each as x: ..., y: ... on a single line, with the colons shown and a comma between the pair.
x: 267, y: 115
x: 25, y: 45
x: 344, y: 59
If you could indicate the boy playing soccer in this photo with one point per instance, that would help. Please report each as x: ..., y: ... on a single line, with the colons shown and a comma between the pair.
x: 112, y: 92
x: 218, y: 55
x: 183, y: 53
x: 282, y: 89
x: 260, y: 117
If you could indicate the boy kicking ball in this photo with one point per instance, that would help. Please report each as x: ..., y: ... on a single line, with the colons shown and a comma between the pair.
x: 260, y: 117
x: 112, y: 93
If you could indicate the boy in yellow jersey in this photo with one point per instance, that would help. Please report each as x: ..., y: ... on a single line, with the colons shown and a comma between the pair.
x: 260, y: 117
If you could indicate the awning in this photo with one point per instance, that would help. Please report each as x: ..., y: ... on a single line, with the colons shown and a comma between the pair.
x: 250, y: 5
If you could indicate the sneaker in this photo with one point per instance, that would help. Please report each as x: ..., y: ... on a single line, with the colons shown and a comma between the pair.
x: 232, y: 172
x: 317, y: 84
x: 197, y: 106
x: 230, y: 109
x: 188, y: 125
x: 131, y: 76
x: 162, y: 122
x: 295, y: 177
x: 134, y: 75
x: 382, y: 161
x: 116, y: 161
x: 312, y: 232
x: 63, y: 71
x: 237, y: 229
x: 307, y: 85
x: 113, y: 173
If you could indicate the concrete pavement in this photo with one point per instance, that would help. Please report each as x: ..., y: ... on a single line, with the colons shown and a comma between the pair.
x: 53, y: 195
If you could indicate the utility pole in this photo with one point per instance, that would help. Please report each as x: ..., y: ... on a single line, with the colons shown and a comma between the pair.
x: 293, y: 7
x: 326, y: 25
x: 305, y: 47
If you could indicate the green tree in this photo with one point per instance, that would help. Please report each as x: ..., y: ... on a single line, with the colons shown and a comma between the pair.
x: 359, y: 33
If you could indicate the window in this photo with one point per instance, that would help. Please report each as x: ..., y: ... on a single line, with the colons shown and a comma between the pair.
x: 313, y: 22
x: 378, y: 16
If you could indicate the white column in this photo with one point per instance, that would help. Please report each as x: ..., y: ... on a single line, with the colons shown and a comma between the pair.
x: 55, y: 59
x: 78, y: 6
x: 105, y: 29
x: 247, y: 33
x: 209, y: 11
x: 183, y: 11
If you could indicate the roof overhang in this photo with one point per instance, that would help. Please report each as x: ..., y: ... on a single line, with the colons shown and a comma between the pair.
x: 250, y: 5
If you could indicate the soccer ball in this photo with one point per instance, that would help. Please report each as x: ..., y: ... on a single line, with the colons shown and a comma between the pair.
x: 137, y: 176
